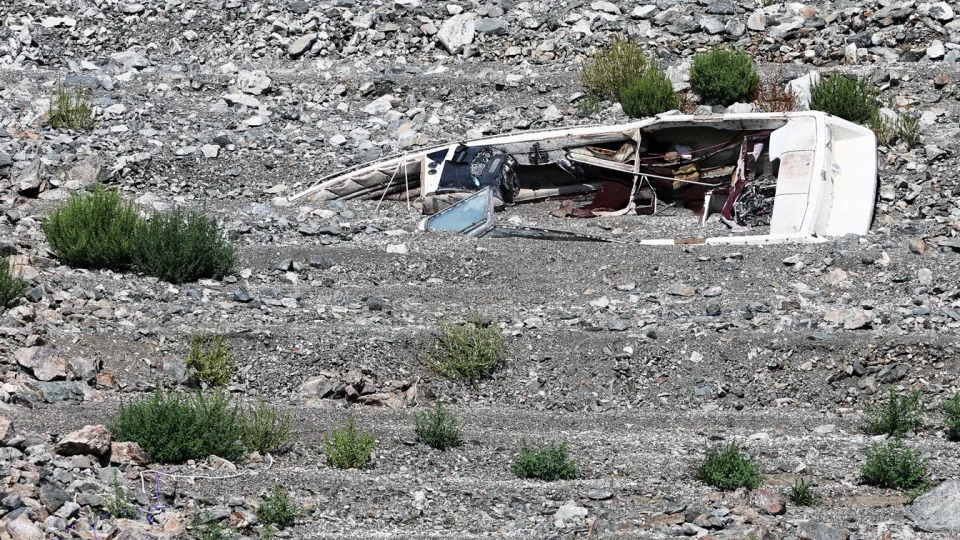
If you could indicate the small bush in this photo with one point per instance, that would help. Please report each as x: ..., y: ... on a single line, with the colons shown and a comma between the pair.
x: 895, y: 415
x: 908, y: 129
x: 211, y: 530
x: 180, y: 246
x: 885, y: 129
x: 549, y: 462
x: 175, y: 427
x: 438, y: 428
x: 278, y: 509
x: 348, y: 448
x: 724, y: 77
x: 93, y: 231
x: 614, y: 69
x: 801, y: 493
x: 265, y: 429
x: 589, y: 105
x: 70, y: 109
x: 729, y: 468
x: 894, y: 465
x: 469, y: 351
x: 951, y: 413
x: 210, y: 359
x: 12, y: 286
x: 117, y: 502
x: 851, y: 99
x: 649, y: 95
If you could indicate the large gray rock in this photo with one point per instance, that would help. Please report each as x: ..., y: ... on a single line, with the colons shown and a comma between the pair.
x: 86, y: 440
x: 811, y: 530
x: 939, y: 509
x: 43, y: 362
x: 29, y: 181
x: 301, y: 45
x: 457, y: 32
x: 253, y: 82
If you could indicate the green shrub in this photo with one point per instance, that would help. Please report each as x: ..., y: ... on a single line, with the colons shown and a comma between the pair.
x: 70, y: 109
x: 895, y: 415
x: 348, y: 448
x: 649, y: 95
x: 801, y: 493
x: 210, y: 359
x: 724, y: 77
x: 180, y: 246
x: 278, y: 509
x: 729, y: 468
x: 908, y: 129
x: 951, y: 412
x: 12, y: 286
x: 589, y: 105
x: 438, y: 428
x: 613, y: 69
x: 851, y: 99
x: 469, y: 351
x: 175, y: 427
x: 884, y: 128
x: 93, y: 231
x: 894, y: 465
x: 117, y: 502
x: 549, y: 462
x: 265, y: 429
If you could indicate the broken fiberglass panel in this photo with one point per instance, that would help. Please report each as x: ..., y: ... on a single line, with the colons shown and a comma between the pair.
x: 473, y: 215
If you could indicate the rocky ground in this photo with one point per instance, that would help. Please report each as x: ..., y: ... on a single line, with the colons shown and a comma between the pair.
x: 641, y: 357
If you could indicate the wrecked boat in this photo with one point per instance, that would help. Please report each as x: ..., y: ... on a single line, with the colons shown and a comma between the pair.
x: 770, y: 177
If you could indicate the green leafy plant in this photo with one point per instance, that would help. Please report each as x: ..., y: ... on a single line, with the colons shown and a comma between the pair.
x: 469, y: 351
x: 438, y: 428
x: 589, y: 104
x: 278, y: 509
x: 117, y: 502
x: 175, y: 427
x: 180, y: 246
x: 649, y: 95
x: 348, y: 447
x: 724, y: 77
x: 211, y: 529
x: 613, y: 69
x: 801, y: 493
x: 547, y: 462
x: 729, y: 468
x: 265, y: 429
x: 851, y: 99
x: 210, y: 359
x: 895, y: 465
x: 12, y: 286
x: 70, y: 109
x: 884, y: 128
x: 895, y: 415
x: 908, y: 129
x: 94, y: 230
x: 951, y: 413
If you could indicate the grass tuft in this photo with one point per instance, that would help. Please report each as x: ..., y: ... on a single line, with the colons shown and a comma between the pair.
x: 95, y: 230
x: 884, y: 128
x: 210, y: 359
x: 70, y: 109
x: 851, y: 99
x: 729, y: 468
x: 348, y: 447
x: 724, y: 77
x: 895, y: 465
x: 894, y: 415
x: 278, y: 509
x: 180, y: 246
x: 265, y: 429
x: 12, y: 286
x: 548, y: 462
x: 801, y: 493
x: 951, y: 413
x: 470, y: 351
x: 651, y: 94
x: 438, y: 428
x: 117, y: 502
x: 908, y: 129
x: 614, y: 69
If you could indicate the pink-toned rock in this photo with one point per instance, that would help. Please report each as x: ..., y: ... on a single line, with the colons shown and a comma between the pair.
x: 44, y: 362
x: 768, y: 502
x: 386, y: 399
x: 128, y: 452
x: 7, y: 433
x: 87, y: 440
x: 24, y: 529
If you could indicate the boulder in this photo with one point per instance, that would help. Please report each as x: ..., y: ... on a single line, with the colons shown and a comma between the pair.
x: 122, y: 453
x: 457, y: 32
x: 938, y: 510
x: 43, y: 362
x: 87, y: 440
x: 768, y: 502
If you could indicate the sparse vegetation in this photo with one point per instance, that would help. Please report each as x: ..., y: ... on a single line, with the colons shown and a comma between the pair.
x: 180, y: 246
x: 470, y: 351
x: 773, y: 95
x: 589, y: 104
x: 908, y: 129
x: 211, y: 530
x: 70, y: 109
x: 650, y: 94
x: 175, y: 427
x: 95, y: 230
x: 801, y: 493
x: 729, y: 468
x: 851, y: 99
x: 278, y: 509
x: 895, y: 465
x: 348, y: 447
x: 894, y: 415
x: 210, y: 359
x: 438, y: 428
x: 724, y: 77
x: 951, y: 413
x: 614, y: 69
x: 12, y: 286
x: 885, y: 129
x: 265, y: 429
x: 548, y: 462
x: 117, y: 502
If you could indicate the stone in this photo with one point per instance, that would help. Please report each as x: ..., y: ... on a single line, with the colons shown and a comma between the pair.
x: 492, y: 26
x: 569, y: 512
x: 24, y: 529
x: 812, y: 530
x: 940, y: 11
x: 768, y: 502
x: 253, y: 82
x: 680, y: 289
x: 43, y: 362
x: 757, y: 21
x: 29, y: 181
x: 53, y: 497
x: 938, y: 510
x: 457, y: 32
x: 379, y: 106
x: 87, y: 440
x: 123, y: 453
x: 301, y: 45
x: 89, y: 170
x: 712, y: 25
x: 606, y: 7
x: 936, y: 50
